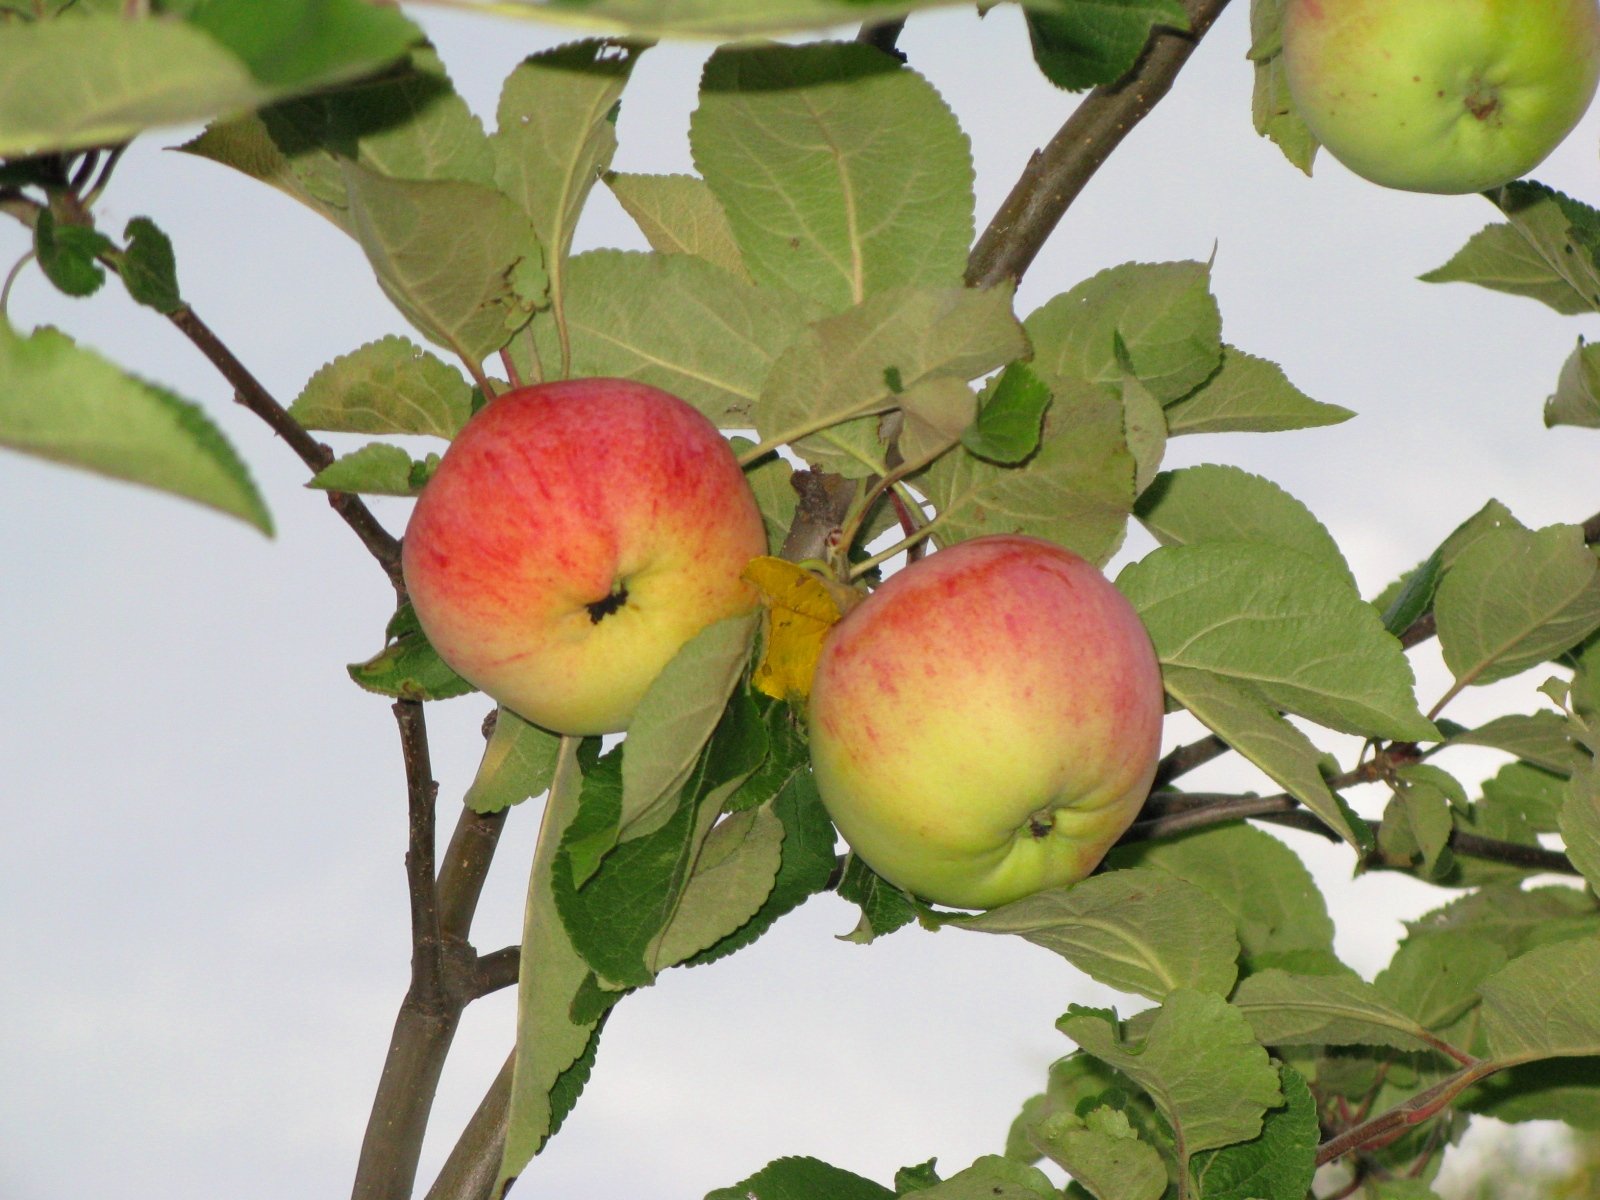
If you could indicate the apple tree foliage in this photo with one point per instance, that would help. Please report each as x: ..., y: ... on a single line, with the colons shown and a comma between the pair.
x: 813, y: 287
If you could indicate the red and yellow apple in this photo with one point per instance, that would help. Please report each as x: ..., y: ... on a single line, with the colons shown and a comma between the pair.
x: 574, y: 536
x: 1441, y: 95
x: 987, y: 723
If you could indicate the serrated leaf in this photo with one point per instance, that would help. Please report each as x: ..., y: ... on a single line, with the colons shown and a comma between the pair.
x: 802, y: 1179
x: 1434, y: 977
x: 1271, y: 108
x: 1198, y: 1062
x: 1220, y: 503
x: 1514, y: 599
x: 148, y: 268
x: 1417, y: 820
x: 518, y: 763
x: 376, y: 469
x: 1336, y: 1010
x: 677, y: 323
x: 1560, y: 230
x: 62, y: 402
x: 1576, y: 400
x: 1580, y: 823
x: 391, y: 385
x: 1532, y: 795
x: 67, y: 253
x: 1161, y: 316
x: 1010, y: 420
x: 856, y: 364
x: 1283, y: 623
x: 1097, y: 41
x: 884, y: 907
x: 459, y: 260
x: 408, y: 667
x: 1135, y: 930
x: 679, y: 214
x: 1500, y: 258
x: 1249, y: 395
x: 1076, y: 490
x: 1514, y: 919
x: 1145, y: 426
x: 842, y: 172
x: 733, y: 876
x: 992, y: 1178
x: 1277, y: 1165
x: 1107, y: 1166
x: 1541, y: 738
x: 1541, y: 1004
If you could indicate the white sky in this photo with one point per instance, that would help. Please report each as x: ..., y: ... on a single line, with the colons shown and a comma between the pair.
x: 205, y: 930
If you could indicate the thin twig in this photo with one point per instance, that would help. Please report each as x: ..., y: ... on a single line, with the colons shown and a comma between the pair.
x: 1425, y: 1104
x: 474, y: 1163
x: 1184, y: 759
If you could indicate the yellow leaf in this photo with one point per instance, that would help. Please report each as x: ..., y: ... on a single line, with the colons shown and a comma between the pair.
x: 801, y: 608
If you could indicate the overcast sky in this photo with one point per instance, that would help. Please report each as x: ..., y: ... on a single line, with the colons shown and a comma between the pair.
x: 204, y: 821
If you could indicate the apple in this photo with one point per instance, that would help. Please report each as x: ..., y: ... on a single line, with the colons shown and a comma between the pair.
x: 572, y: 538
x: 1441, y: 95
x: 987, y: 723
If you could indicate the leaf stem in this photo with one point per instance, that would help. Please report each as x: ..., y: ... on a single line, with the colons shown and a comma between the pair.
x: 905, y: 543
x: 1424, y: 1105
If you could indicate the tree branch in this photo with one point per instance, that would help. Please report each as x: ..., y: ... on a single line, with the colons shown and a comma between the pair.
x: 1419, y: 1108
x: 469, y: 1173
x: 1057, y: 174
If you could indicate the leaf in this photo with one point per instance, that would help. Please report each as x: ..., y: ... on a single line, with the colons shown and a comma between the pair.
x: 1282, y: 623
x: 1010, y: 419
x: 1337, y: 1010
x: 1541, y: 1004
x: 1417, y: 821
x: 1514, y: 599
x: 1161, y: 316
x: 1532, y: 794
x: 801, y: 608
x: 992, y: 1178
x: 408, y: 667
x: 67, y: 254
x: 519, y: 763
x: 1097, y: 42
x: 100, y: 79
x: 1434, y: 977
x: 1240, y: 717
x: 1076, y: 490
x: 679, y: 214
x: 1277, y: 1165
x: 1109, y: 1165
x: 1222, y: 504
x: 1135, y: 930
x: 1249, y: 395
x: 802, y: 1179
x: 556, y: 135
x: 148, y: 268
x: 1513, y: 919
x: 677, y: 715
x: 1577, y: 396
x: 714, y: 18
x: 842, y: 172
x: 857, y: 363
x: 1580, y: 823
x: 1541, y: 738
x: 377, y: 469
x: 1499, y: 257
x: 1145, y: 426
x: 391, y: 385
x: 1559, y: 230
x: 1199, y: 1063
x: 677, y: 323
x: 884, y: 907
x: 62, y: 402
x: 458, y: 259
x: 770, y: 478
x: 733, y: 876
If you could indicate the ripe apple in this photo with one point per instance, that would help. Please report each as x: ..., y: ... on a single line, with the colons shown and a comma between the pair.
x: 1441, y: 95
x: 987, y: 723
x: 573, y: 537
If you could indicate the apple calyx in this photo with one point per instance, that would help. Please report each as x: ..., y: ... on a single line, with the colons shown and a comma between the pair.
x: 612, y: 602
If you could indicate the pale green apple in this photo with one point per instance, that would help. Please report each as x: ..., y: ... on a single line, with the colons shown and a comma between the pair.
x: 987, y: 723
x: 573, y: 537
x: 1441, y: 95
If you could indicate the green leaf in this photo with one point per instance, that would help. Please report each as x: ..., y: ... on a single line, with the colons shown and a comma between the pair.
x: 991, y: 1178
x: 1549, y: 1089
x: 1409, y: 597
x: 1336, y: 1010
x: 1434, y: 977
x: 1541, y: 1004
x: 391, y: 385
x: 1224, y: 504
x: 1134, y: 930
x: 842, y: 172
x: 677, y: 323
x: 802, y: 1179
x: 1097, y: 41
x: 1577, y: 396
x: 1514, y: 919
x: 555, y: 136
x: 1249, y: 395
x: 1146, y: 428
x: 1531, y: 793
x: 1199, y: 1064
x: 770, y: 479
x: 884, y: 907
x: 459, y: 260
x: 1417, y: 821
x: 734, y: 874
x: 67, y: 254
x: 1010, y: 419
x: 1279, y: 1164
x: 916, y: 1178
x: 1272, y: 110
x: 377, y: 469
x: 1109, y: 1162
x: 1514, y: 599
x: 935, y: 414
x: 101, y: 79
x: 1076, y: 490
x: 843, y: 366
x: 68, y: 404
x: 1559, y: 230
x: 148, y: 268
x: 1161, y: 315
x: 1542, y: 738
x: 1499, y: 257
x: 1282, y: 623
x: 519, y: 763
x: 1580, y: 823
x: 408, y: 667
x: 679, y: 214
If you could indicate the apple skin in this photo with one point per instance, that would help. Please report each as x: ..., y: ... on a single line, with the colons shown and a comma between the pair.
x: 572, y: 538
x: 987, y: 723
x: 1441, y: 95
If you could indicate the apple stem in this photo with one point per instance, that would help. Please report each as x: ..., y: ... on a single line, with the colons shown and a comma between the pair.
x: 510, y: 365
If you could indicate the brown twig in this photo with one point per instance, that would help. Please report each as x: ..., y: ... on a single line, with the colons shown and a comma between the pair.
x: 1056, y: 175
x: 1184, y: 759
x: 474, y: 1163
x: 1425, y: 1104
